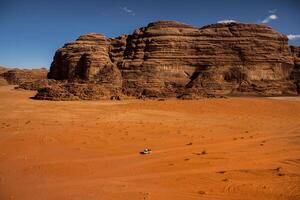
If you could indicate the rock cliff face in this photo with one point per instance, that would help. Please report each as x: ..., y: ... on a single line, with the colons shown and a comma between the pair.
x: 295, y: 76
x: 171, y: 59
x: 86, y: 66
x: 86, y: 60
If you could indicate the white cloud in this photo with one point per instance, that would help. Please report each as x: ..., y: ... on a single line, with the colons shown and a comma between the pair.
x: 226, y: 21
x: 128, y: 11
x: 270, y: 18
x: 293, y: 37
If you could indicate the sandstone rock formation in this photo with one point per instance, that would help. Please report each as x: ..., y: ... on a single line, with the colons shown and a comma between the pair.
x: 171, y: 59
x: 25, y: 77
x: 86, y: 60
x: 3, y: 81
x: 295, y: 76
x: 87, y: 67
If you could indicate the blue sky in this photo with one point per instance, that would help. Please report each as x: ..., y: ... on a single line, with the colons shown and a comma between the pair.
x: 32, y: 30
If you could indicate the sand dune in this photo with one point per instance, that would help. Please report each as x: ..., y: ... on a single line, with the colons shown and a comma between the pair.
x: 236, y: 148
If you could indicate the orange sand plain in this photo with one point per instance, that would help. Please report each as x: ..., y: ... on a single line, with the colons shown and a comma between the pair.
x: 236, y: 148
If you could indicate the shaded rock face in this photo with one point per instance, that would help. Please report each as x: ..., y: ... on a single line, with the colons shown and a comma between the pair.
x: 295, y: 76
x: 171, y: 59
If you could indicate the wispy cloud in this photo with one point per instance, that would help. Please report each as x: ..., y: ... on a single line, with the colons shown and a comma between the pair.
x: 225, y: 21
x: 273, y: 11
x: 270, y: 18
x: 293, y: 37
x: 128, y: 11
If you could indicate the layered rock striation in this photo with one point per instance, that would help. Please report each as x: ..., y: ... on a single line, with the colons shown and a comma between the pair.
x: 171, y: 59
x: 86, y: 60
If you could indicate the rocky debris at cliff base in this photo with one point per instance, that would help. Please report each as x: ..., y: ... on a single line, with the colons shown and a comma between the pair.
x: 77, y: 91
x: 36, y: 84
x: 193, y: 96
x: 55, y: 93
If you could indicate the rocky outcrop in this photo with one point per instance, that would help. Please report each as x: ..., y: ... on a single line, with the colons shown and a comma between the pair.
x: 86, y: 66
x: 86, y: 60
x: 171, y: 59
x: 18, y: 76
x: 3, y: 81
x: 28, y: 79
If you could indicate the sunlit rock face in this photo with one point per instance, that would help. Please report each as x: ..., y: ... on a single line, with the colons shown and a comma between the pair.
x: 171, y: 59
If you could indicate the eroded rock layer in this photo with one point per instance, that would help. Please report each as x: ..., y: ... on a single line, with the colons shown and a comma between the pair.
x: 171, y: 59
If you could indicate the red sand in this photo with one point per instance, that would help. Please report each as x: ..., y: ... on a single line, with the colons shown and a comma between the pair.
x: 89, y: 150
